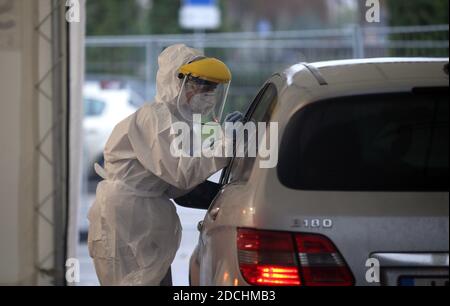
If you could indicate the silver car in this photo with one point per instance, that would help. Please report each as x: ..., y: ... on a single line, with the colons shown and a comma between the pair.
x: 360, y: 194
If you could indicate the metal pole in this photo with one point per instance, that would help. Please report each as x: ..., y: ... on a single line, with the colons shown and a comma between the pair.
x: 148, y: 70
x: 199, y: 39
x: 58, y: 145
x: 358, y: 42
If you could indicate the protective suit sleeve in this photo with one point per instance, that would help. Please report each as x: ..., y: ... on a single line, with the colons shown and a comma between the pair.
x: 173, y: 192
x: 150, y: 136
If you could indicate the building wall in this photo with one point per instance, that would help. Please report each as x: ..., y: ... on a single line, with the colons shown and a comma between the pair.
x: 16, y: 141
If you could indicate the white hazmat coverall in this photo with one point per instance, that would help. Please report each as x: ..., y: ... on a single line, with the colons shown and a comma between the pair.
x: 134, y: 230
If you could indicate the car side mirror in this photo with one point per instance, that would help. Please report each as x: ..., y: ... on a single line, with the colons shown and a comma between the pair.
x: 200, y: 197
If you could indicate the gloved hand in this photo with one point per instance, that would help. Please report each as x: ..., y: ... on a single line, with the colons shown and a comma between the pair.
x: 230, y: 136
x: 234, y: 117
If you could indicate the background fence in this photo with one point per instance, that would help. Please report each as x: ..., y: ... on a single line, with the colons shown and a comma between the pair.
x: 253, y: 57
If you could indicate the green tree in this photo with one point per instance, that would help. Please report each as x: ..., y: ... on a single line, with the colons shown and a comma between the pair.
x: 139, y: 17
x: 163, y: 17
x: 417, y: 12
x: 132, y: 17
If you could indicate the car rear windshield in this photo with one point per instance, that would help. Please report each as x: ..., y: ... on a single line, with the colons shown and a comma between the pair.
x: 388, y: 142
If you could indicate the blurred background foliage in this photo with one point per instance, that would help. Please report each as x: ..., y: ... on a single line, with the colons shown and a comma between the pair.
x: 143, y: 17
x: 250, y: 67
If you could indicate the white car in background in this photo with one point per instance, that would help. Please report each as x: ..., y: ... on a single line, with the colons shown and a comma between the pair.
x: 103, y: 109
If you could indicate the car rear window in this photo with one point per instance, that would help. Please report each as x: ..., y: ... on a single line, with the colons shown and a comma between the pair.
x: 388, y: 142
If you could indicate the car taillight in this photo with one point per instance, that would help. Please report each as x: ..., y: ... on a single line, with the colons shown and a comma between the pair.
x: 268, y: 258
x: 321, y: 263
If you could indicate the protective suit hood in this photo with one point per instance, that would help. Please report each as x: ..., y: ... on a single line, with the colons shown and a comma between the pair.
x: 169, y: 61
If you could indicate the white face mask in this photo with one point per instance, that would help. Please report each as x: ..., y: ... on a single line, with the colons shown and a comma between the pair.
x: 203, y: 103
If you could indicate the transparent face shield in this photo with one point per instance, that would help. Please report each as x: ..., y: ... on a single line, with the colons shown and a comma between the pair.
x: 202, y: 97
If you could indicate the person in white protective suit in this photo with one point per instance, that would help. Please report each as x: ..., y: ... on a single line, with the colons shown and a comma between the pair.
x: 134, y: 229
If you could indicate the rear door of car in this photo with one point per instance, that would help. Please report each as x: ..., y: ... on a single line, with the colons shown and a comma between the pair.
x: 371, y: 174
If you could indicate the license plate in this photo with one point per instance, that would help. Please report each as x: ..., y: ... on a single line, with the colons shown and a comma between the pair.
x: 423, y: 281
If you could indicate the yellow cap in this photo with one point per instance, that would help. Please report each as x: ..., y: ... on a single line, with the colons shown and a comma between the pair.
x: 209, y: 69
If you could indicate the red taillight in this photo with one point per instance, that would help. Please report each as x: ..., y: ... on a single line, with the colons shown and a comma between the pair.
x: 269, y: 258
x: 320, y: 262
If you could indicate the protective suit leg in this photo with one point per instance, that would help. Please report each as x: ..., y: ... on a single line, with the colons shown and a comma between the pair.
x: 132, y: 239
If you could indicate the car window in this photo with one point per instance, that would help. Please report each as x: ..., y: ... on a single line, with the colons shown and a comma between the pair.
x: 93, y: 107
x: 261, y: 110
x: 389, y: 142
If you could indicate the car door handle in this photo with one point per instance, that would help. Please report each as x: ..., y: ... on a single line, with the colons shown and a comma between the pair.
x: 214, y: 212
